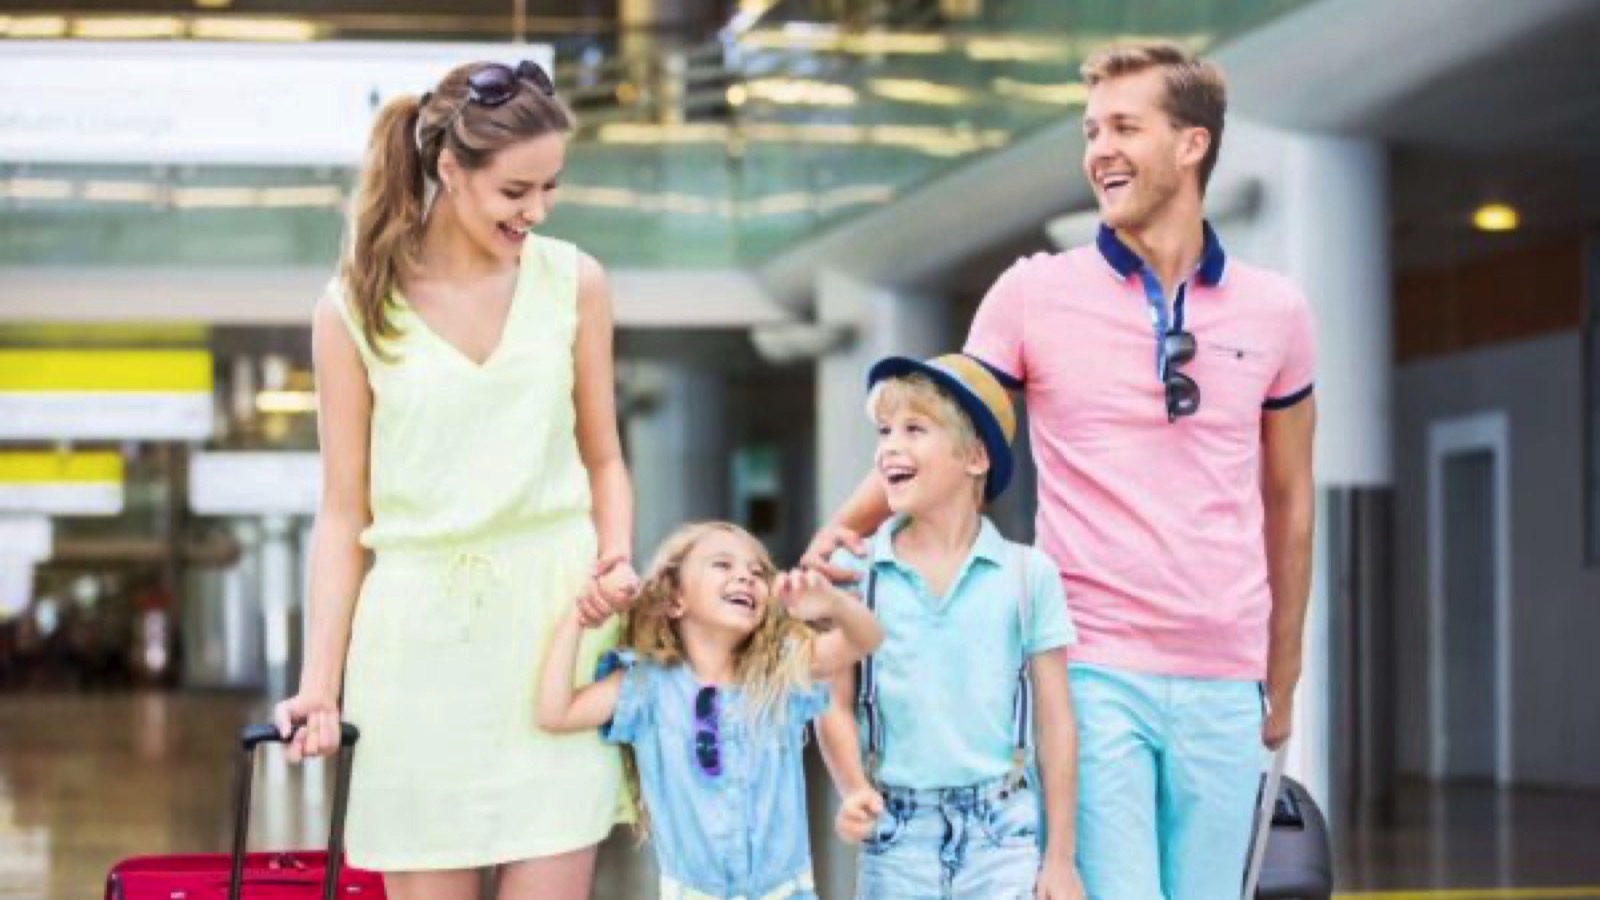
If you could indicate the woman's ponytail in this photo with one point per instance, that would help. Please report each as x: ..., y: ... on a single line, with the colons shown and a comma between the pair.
x: 386, y: 221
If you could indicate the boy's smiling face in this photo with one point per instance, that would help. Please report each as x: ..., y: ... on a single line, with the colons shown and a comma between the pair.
x: 921, y: 464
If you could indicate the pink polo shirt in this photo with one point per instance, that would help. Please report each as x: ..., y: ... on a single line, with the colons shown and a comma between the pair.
x: 1157, y: 527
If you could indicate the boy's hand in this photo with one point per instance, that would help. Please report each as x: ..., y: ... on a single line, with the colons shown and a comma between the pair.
x: 1058, y: 880
x: 808, y: 595
x: 858, y: 814
x: 829, y: 539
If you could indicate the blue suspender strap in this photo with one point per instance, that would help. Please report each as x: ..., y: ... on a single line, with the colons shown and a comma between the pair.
x: 867, y: 689
x: 1022, y: 706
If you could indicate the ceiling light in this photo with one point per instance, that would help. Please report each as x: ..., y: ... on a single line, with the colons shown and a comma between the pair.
x: 218, y: 29
x: 793, y: 92
x: 36, y: 189
x: 1070, y: 93
x: 127, y: 28
x: 286, y: 402
x: 35, y: 26
x: 916, y: 90
x: 1495, y: 217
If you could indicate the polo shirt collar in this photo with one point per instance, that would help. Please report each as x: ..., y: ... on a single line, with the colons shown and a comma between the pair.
x: 990, y: 545
x: 1126, y: 263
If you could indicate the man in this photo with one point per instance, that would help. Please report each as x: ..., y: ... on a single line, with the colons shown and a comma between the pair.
x: 1169, y: 391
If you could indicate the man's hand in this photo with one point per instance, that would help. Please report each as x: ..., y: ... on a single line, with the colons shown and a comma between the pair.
x: 1279, y: 723
x: 828, y: 540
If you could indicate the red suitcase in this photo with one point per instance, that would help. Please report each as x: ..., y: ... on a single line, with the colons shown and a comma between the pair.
x: 254, y: 876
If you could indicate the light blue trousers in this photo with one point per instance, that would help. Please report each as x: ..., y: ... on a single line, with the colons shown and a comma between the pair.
x: 1168, y: 773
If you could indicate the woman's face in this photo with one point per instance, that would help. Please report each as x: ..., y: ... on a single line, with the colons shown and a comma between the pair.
x: 499, y: 204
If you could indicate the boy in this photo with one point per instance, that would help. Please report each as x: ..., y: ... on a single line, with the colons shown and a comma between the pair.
x: 945, y: 802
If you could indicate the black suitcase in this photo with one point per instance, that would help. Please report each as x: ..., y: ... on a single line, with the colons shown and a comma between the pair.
x: 1298, y: 863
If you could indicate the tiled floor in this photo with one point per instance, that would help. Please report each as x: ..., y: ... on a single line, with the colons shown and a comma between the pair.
x: 86, y: 780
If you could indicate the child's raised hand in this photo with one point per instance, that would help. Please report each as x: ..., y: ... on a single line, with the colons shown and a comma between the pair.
x: 808, y: 595
x: 858, y: 815
x: 593, y: 610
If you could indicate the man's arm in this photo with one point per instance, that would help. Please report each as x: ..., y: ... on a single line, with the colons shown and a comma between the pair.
x: 1289, y: 497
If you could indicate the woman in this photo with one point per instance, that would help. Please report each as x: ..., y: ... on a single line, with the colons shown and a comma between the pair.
x: 469, y: 441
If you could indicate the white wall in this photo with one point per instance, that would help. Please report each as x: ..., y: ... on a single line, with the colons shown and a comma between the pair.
x: 1555, y: 595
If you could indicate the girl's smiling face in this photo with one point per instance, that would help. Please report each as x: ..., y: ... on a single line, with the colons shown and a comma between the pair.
x: 726, y: 586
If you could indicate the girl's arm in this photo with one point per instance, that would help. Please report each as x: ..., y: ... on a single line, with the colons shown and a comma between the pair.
x: 563, y: 708
x: 838, y: 738
x: 338, y: 562
x: 594, y: 394
x: 810, y: 597
x: 1057, y: 752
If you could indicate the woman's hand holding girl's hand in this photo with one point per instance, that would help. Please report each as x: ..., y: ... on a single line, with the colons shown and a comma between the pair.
x: 611, y: 589
x: 808, y: 595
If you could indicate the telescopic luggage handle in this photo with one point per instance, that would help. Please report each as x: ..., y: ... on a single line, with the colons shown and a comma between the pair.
x: 252, y: 737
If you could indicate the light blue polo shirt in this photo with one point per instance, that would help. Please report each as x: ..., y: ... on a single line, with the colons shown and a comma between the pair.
x: 947, y: 670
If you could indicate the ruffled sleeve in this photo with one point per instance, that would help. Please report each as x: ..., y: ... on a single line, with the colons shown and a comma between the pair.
x: 633, y: 713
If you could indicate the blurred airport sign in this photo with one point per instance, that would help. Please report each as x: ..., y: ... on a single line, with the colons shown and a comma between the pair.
x: 213, y: 103
x: 72, y: 395
x: 64, y: 483
x: 247, y: 483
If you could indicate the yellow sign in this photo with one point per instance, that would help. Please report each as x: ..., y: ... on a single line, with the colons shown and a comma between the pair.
x: 99, y: 371
x: 79, y: 484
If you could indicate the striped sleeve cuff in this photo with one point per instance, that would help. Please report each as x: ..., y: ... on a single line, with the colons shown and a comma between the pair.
x: 1273, y: 404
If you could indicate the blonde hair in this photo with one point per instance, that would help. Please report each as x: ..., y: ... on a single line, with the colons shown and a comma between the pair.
x: 402, y: 153
x: 772, y: 662
x: 1196, y: 94
x: 921, y: 395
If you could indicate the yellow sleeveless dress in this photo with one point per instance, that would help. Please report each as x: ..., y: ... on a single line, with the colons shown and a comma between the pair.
x: 481, y: 538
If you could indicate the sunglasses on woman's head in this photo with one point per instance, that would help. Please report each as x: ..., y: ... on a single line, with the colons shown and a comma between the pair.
x: 496, y: 83
x: 493, y: 85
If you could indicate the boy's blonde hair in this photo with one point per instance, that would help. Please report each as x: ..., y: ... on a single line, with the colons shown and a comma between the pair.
x: 773, y: 661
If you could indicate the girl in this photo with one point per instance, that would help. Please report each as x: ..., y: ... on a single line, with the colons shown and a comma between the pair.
x: 469, y: 442
x: 712, y: 695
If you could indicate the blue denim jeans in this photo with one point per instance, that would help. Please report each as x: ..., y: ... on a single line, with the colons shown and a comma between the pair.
x: 979, y: 842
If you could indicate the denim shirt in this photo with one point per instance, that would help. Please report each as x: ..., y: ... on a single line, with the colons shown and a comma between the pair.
x: 742, y: 832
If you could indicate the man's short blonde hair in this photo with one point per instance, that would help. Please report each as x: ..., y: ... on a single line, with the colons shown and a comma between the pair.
x: 919, y: 394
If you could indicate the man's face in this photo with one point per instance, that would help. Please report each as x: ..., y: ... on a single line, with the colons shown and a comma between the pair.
x: 1135, y: 157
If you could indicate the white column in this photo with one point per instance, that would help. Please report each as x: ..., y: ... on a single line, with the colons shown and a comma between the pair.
x: 677, y: 451
x: 1335, y: 244
x: 278, y: 579
x: 886, y: 322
